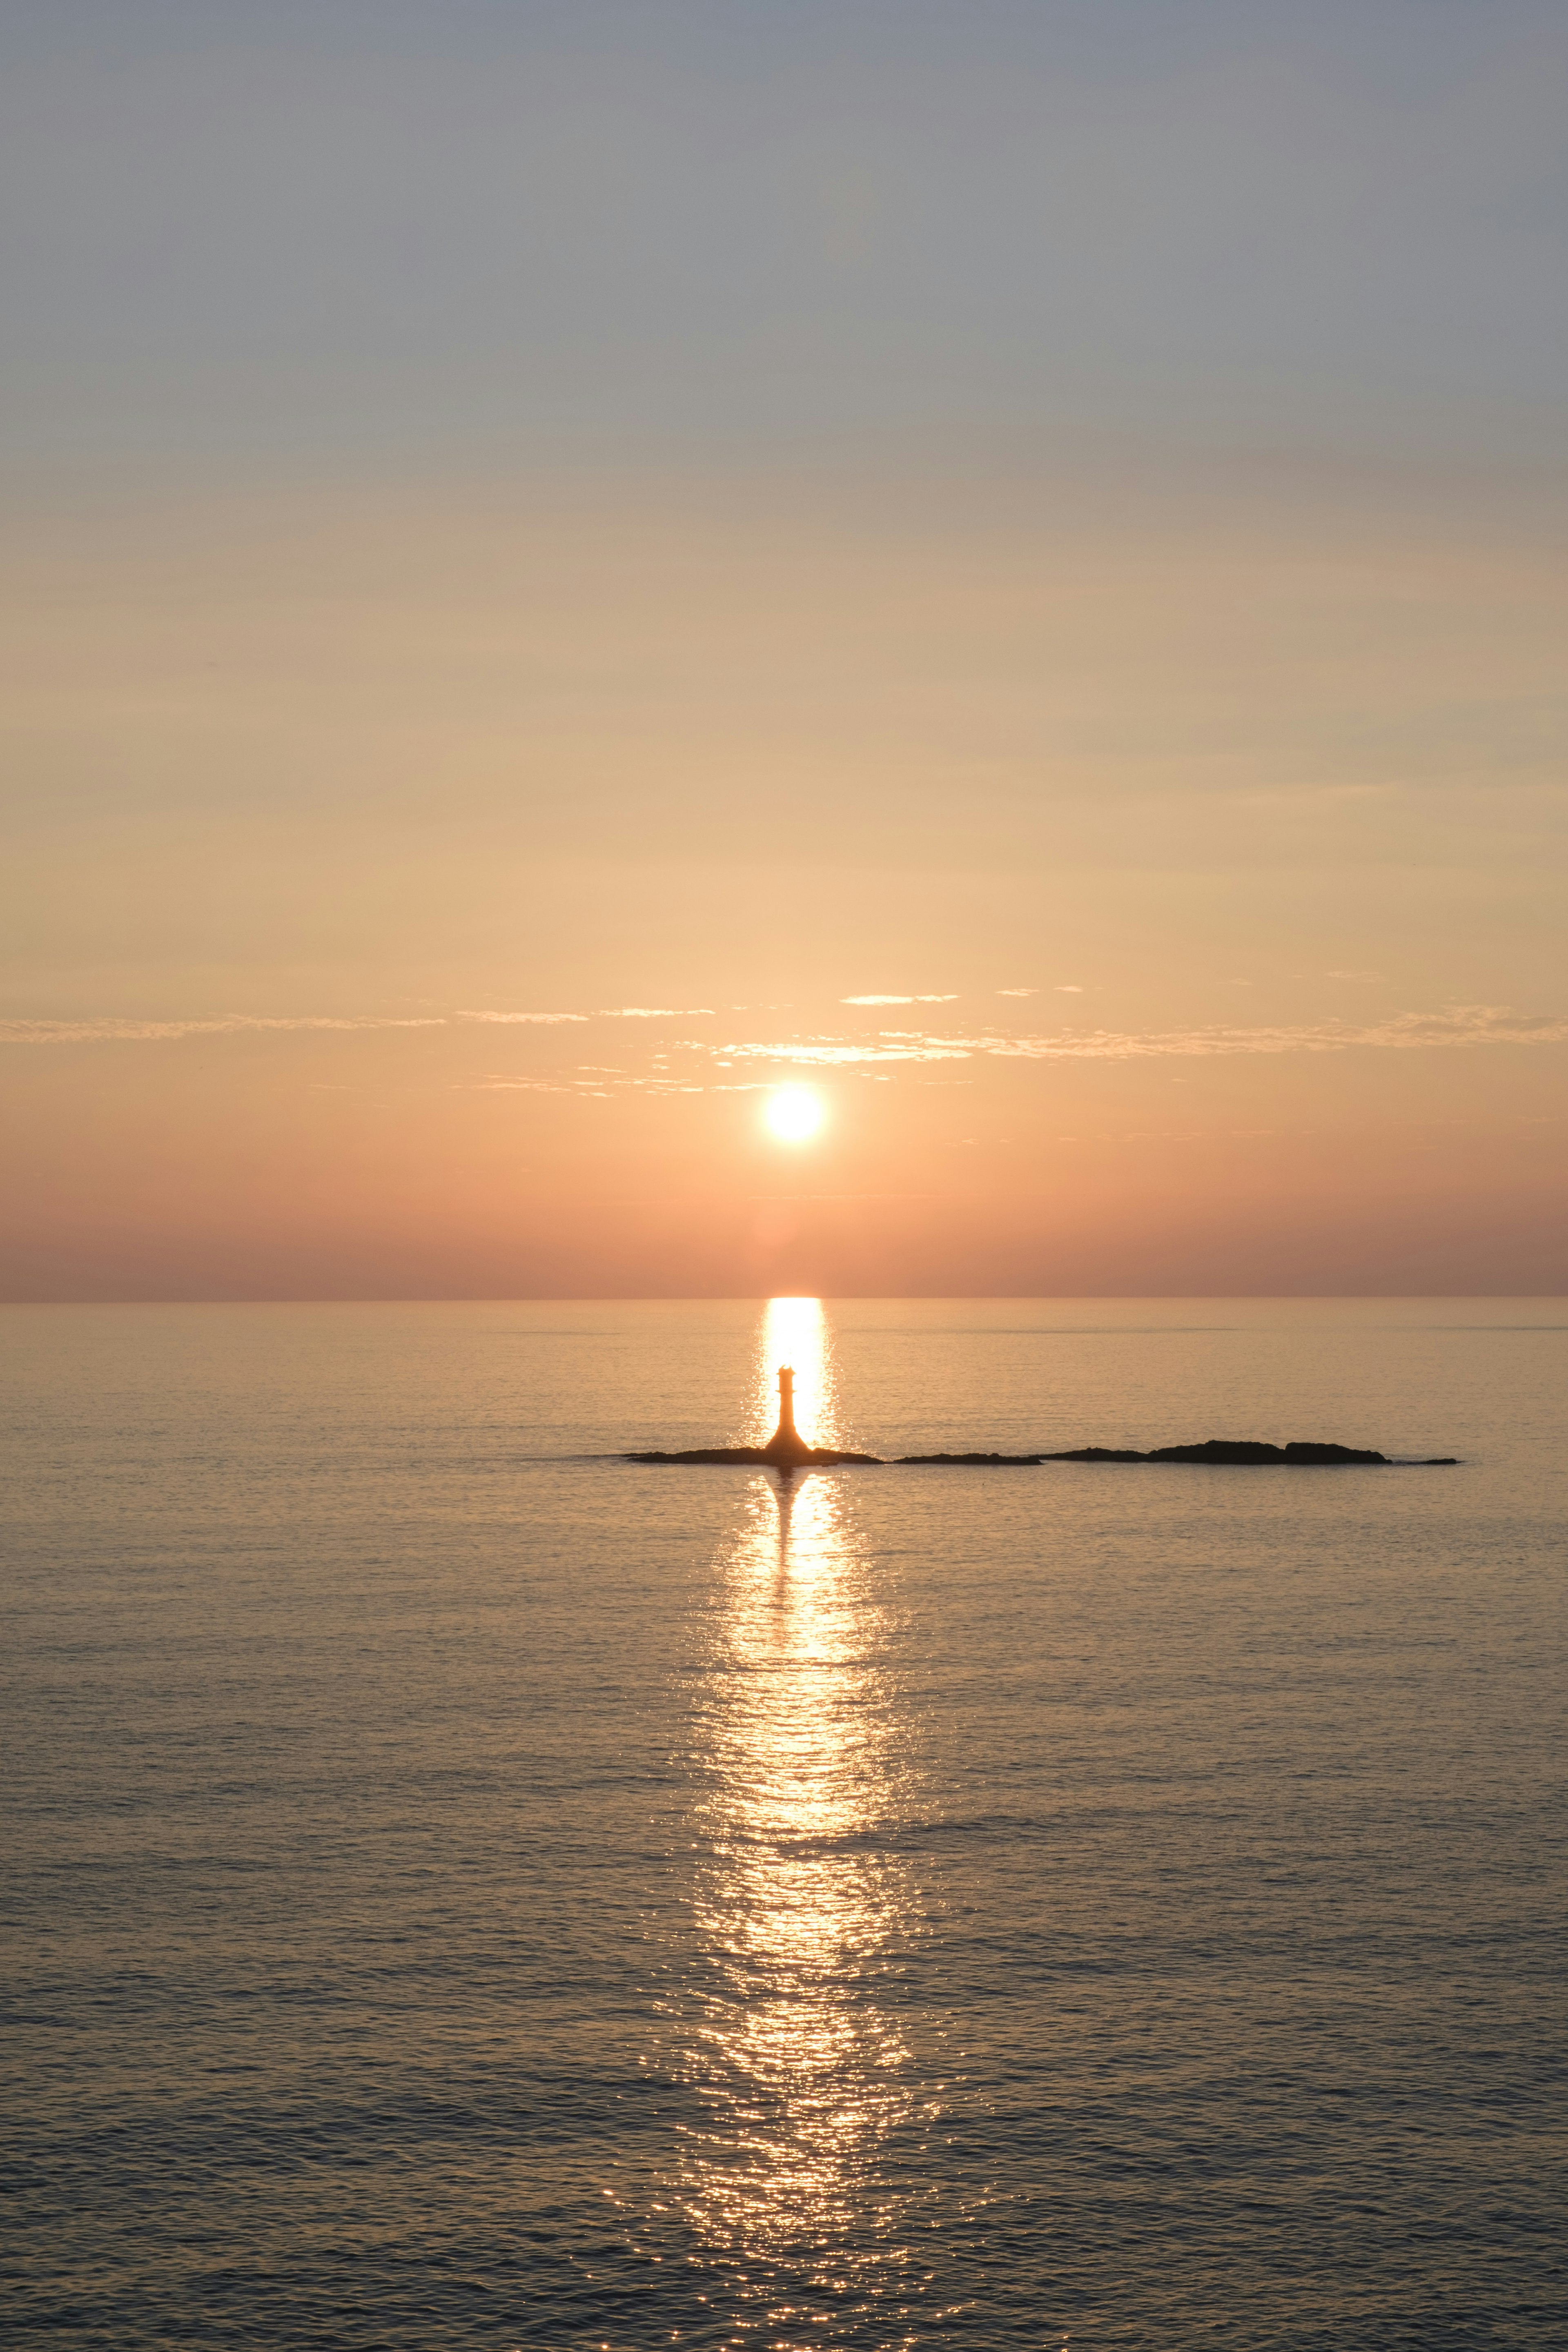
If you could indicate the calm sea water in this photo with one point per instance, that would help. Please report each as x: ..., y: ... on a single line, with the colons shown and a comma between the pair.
x: 466, y: 1890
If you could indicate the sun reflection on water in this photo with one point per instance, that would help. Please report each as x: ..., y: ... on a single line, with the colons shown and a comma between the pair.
x: 804, y: 1907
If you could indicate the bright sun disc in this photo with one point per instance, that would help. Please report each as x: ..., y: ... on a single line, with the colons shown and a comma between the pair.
x: 795, y: 1113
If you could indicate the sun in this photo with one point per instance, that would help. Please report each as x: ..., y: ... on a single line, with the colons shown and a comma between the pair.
x: 795, y: 1114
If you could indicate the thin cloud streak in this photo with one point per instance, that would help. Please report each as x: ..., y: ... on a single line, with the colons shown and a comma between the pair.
x: 542, y: 1020
x: 1465, y: 1025
x: 822, y: 1053
x: 605, y: 1013
x: 104, y: 1030
x: 1461, y: 1024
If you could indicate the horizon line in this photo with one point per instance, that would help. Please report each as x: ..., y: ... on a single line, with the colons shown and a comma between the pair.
x: 754, y: 1297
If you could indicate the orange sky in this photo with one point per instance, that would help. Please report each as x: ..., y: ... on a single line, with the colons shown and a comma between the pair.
x: 1121, y: 771
x: 1140, y: 894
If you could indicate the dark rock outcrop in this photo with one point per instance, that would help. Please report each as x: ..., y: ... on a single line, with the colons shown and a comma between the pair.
x: 978, y: 1461
x: 1240, y: 1453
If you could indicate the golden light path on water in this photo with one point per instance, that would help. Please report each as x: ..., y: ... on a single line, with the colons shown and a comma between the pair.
x: 804, y: 1905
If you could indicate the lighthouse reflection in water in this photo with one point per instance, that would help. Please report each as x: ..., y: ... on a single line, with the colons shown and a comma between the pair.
x: 804, y: 1909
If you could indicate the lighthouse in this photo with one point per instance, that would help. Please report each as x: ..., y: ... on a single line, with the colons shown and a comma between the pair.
x: 786, y: 1450
x: 785, y: 1444
x: 786, y: 1427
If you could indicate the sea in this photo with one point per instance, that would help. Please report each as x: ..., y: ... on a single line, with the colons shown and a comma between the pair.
x: 464, y: 1889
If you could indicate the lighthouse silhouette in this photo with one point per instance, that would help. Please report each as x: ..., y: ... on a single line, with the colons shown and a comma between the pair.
x: 787, y: 1446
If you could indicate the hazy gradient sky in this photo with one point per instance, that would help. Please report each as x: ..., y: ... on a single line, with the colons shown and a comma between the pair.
x: 564, y: 564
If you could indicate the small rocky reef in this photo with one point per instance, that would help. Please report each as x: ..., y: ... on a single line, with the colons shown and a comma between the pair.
x: 787, y: 1450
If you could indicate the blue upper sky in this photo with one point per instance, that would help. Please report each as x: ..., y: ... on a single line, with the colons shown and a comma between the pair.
x: 493, y: 233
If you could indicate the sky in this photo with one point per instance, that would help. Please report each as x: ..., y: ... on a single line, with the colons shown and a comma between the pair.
x: 567, y: 567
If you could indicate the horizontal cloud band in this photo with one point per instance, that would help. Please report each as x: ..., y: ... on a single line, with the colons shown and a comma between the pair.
x: 106, y: 1031
x: 1462, y: 1024
x: 1467, y: 1025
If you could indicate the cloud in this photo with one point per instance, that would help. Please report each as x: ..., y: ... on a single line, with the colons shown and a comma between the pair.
x: 1463, y: 1025
x: 1069, y: 988
x: 1460, y: 1024
x: 1353, y: 975
x: 823, y: 1052
x: 897, y: 1000
x: 605, y: 1013
x: 106, y: 1031
x: 1455, y: 1025
x: 1017, y: 991
x: 546, y: 1019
